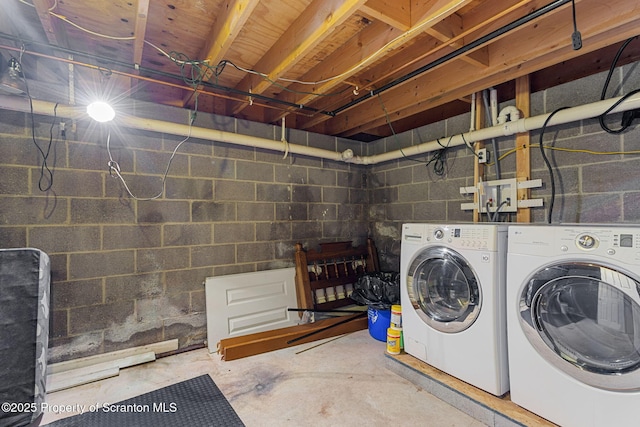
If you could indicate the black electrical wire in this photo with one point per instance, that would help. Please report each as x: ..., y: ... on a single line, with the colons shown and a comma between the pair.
x: 469, y: 146
x: 150, y: 71
x: 439, y: 158
x: 460, y: 51
x: 548, y: 164
x: 46, y: 174
x: 601, y: 118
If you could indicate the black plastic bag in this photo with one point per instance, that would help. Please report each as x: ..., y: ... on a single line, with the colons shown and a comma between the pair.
x: 377, y: 290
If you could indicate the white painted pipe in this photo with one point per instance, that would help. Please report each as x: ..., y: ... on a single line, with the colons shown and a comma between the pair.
x: 508, y: 113
x: 493, y: 98
x: 76, y: 113
x: 228, y: 137
x: 568, y: 115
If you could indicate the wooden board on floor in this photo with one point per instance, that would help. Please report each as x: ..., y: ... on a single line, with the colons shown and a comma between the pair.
x: 262, y: 342
x: 503, y: 404
x: 99, y: 371
x: 157, y: 348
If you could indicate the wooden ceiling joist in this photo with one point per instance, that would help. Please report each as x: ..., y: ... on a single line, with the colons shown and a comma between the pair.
x: 316, y: 23
x: 605, y: 26
x: 407, y: 58
x: 140, y: 30
x: 223, y: 33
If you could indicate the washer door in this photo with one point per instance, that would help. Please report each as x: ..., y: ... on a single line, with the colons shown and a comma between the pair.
x: 585, y: 320
x: 443, y: 289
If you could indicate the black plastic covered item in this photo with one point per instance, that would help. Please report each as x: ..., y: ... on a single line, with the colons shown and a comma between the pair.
x: 24, y: 333
x: 378, y: 290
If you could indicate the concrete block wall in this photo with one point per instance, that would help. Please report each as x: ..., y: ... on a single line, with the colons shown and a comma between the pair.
x: 590, y: 188
x: 130, y: 272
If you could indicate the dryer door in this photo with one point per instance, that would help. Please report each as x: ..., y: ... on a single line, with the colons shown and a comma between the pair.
x: 584, y: 318
x: 443, y: 289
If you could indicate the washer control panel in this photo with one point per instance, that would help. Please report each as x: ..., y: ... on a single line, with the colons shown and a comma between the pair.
x: 465, y: 236
x: 460, y: 236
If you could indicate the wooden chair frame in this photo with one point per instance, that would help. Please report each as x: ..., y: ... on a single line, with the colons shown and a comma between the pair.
x: 325, y: 278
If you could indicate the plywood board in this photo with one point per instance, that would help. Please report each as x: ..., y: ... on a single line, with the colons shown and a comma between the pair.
x: 502, y: 405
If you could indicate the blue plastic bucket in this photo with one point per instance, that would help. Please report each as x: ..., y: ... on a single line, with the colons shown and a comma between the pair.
x: 379, y: 322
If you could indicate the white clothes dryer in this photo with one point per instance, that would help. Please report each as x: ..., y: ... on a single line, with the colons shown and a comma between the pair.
x: 573, y: 317
x: 452, y: 290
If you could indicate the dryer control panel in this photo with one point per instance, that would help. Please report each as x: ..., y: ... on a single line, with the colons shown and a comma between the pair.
x: 616, y: 242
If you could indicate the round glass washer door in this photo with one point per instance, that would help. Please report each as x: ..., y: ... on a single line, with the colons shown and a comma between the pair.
x: 444, y: 289
x: 584, y: 318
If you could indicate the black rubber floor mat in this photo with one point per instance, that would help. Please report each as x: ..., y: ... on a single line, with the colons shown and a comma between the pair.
x: 197, y: 402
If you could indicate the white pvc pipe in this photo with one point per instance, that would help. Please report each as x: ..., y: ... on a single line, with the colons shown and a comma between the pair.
x: 72, y: 112
x: 569, y: 115
x: 509, y: 128
x: 493, y: 101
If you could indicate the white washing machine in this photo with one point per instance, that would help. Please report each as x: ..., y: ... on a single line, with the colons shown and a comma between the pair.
x: 573, y: 317
x: 453, y: 300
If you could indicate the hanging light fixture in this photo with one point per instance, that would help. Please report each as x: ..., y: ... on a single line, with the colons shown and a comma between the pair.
x: 11, y: 81
x: 101, y: 111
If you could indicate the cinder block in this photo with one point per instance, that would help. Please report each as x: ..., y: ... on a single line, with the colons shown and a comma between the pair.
x: 186, y: 280
x: 252, y: 171
x: 163, y: 211
x: 98, y: 317
x: 101, y: 211
x: 65, y: 238
x: 291, y: 212
x: 213, y: 255
x: 76, y: 294
x: 161, y: 259
x: 100, y: 264
x: 234, y: 190
x: 131, y: 236
x: 273, y: 192
x: 15, y: 180
x: 254, y: 252
x: 135, y: 286
x: 187, y: 235
x: 213, y: 211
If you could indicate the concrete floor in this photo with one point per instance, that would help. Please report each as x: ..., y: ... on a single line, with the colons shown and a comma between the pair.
x: 342, y: 382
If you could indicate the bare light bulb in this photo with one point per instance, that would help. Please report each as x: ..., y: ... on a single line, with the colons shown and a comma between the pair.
x: 100, y: 111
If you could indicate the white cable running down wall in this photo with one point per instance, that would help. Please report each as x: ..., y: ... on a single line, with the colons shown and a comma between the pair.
x: 569, y: 115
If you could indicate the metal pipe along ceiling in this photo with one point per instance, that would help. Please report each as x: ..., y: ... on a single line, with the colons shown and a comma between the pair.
x: 568, y: 115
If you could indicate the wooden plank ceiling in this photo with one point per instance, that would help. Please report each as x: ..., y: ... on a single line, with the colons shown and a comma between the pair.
x: 354, y: 68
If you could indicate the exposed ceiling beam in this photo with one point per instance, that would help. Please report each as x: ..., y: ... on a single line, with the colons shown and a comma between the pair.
x: 360, y: 48
x: 373, y: 50
x: 316, y: 23
x: 55, y: 32
x: 229, y: 22
x: 390, y: 70
x: 538, y: 51
x: 140, y: 30
x: 396, y: 13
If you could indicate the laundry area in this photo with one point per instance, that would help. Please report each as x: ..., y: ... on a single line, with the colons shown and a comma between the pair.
x: 319, y: 212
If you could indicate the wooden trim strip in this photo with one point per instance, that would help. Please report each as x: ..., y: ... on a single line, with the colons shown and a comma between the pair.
x: 263, y: 342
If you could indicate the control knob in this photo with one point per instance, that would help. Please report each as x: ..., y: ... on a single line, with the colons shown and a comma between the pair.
x: 438, y: 234
x: 586, y: 241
